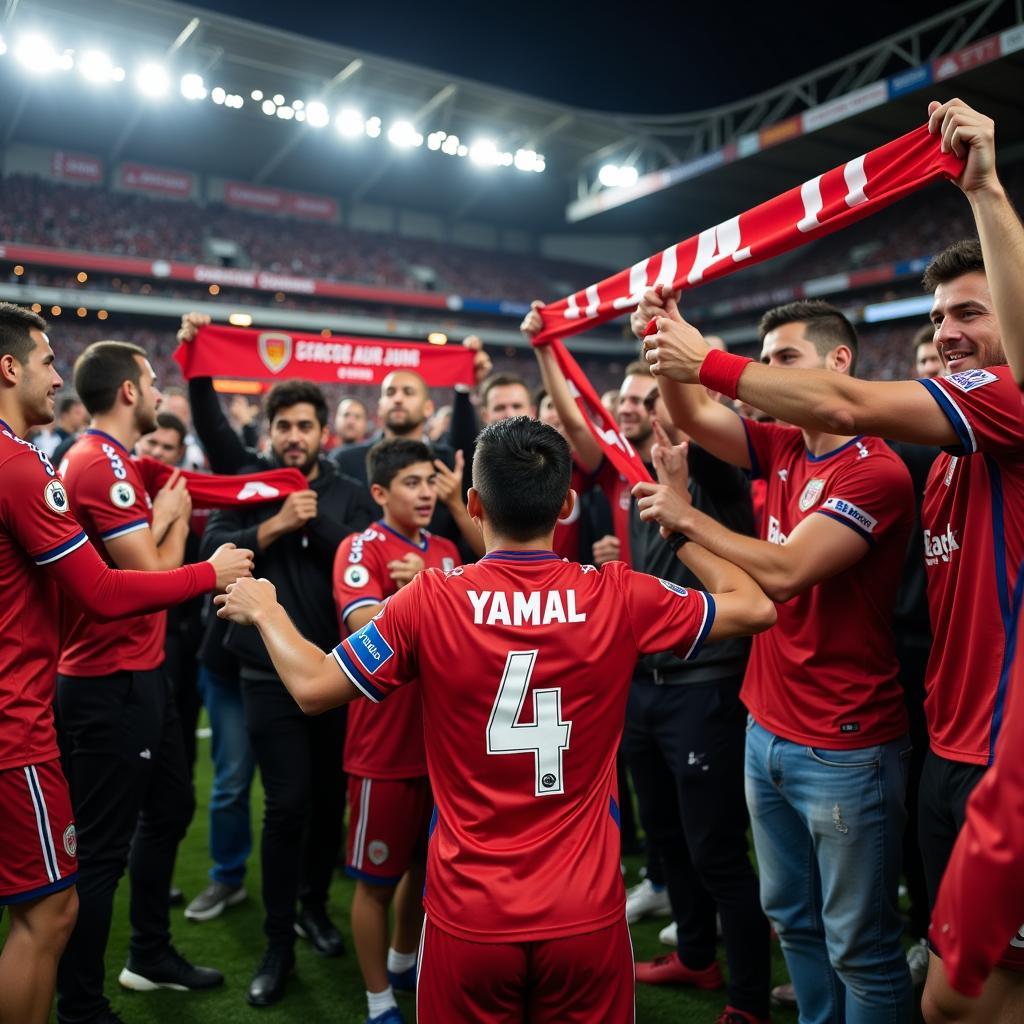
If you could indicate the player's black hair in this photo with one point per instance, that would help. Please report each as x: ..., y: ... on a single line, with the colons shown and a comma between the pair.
x: 386, y: 459
x: 286, y: 393
x: 521, y: 470
x: 15, y: 324
x: 962, y: 257
x: 101, y: 370
x: 168, y: 421
x: 825, y: 327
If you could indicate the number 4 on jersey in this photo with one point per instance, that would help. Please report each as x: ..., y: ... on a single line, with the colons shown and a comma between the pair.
x: 545, y: 737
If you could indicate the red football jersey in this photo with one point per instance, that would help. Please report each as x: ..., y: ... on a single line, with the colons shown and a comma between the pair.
x: 36, y: 529
x: 566, y: 543
x: 524, y: 661
x: 826, y: 674
x: 980, y: 906
x: 619, y: 492
x: 973, y: 519
x: 109, y: 497
x: 383, y: 742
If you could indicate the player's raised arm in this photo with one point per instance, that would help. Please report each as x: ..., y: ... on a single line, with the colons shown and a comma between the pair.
x: 715, y: 427
x: 313, y: 678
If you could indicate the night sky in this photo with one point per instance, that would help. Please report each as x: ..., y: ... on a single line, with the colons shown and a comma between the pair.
x: 681, y: 56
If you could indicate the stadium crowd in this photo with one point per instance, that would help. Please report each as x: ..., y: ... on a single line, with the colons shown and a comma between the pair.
x: 867, y: 534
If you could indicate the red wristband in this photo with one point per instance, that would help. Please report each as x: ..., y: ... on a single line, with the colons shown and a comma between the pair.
x: 721, y: 371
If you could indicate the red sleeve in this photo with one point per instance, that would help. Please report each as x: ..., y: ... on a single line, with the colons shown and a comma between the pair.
x: 870, y: 495
x: 112, y: 491
x: 34, y: 505
x: 664, y: 615
x: 381, y: 657
x: 980, y: 906
x: 984, y: 407
x: 360, y: 575
x: 153, y: 473
x: 763, y: 443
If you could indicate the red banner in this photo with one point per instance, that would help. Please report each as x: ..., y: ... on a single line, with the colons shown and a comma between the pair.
x: 76, y: 166
x: 824, y: 204
x: 159, y: 180
x: 277, y: 200
x: 276, y: 355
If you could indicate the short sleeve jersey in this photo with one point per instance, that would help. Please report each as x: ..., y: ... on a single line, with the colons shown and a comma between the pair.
x: 109, y: 498
x: 826, y: 674
x: 973, y: 520
x: 37, y: 529
x: 524, y: 661
x: 384, y: 741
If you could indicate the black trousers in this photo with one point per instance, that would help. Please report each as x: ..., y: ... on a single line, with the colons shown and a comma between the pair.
x: 182, y: 668
x: 300, y: 762
x: 685, y: 747
x: 122, y: 753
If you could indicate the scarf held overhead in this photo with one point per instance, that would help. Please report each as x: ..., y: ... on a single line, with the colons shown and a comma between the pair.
x: 277, y: 355
x: 823, y: 204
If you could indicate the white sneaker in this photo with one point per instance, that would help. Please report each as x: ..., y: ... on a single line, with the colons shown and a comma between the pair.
x: 644, y: 900
x: 917, y: 961
x: 669, y: 935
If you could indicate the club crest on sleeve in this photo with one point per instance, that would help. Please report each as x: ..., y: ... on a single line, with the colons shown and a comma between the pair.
x: 811, y: 494
x: 378, y: 852
x: 55, y: 496
x: 674, y: 587
x: 122, y: 494
x: 356, y: 576
x: 70, y: 840
x: 968, y: 380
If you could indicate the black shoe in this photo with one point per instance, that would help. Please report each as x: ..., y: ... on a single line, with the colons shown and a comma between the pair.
x: 267, y: 985
x: 107, y: 1016
x: 313, y: 923
x: 172, y: 971
x: 176, y: 898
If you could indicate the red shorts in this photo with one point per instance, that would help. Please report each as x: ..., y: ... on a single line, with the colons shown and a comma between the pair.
x: 37, y: 854
x: 576, y: 980
x: 387, y: 827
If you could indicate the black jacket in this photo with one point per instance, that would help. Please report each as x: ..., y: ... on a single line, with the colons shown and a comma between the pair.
x: 723, y: 492
x: 298, y: 564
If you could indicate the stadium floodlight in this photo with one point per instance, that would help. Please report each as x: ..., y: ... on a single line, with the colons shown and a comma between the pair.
x: 525, y: 159
x: 609, y: 175
x: 462, y: 150
x: 300, y: 115
x: 404, y: 135
x: 285, y: 113
x: 193, y: 87
x: 316, y: 114
x: 235, y: 101
x: 117, y: 75
x: 269, y: 108
x: 434, y: 140
x: 66, y: 61
x: 450, y: 145
x: 279, y: 100
x: 257, y: 95
x: 484, y: 153
x: 349, y: 123
x: 218, y: 95
x: 36, y: 54
x: 3, y: 46
x: 628, y: 176
x: 96, y: 66
x: 540, y: 165
x: 152, y: 81
x: 373, y: 127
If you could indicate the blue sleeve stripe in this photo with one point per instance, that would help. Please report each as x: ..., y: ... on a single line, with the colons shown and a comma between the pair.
x: 359, y: 602
x: 846, y: 522
x: 352, y: 670
x: 755, y: 468
x: 954, y: 414
x: 121, y: 531
x: 705, y: 626
x: 55, y: 554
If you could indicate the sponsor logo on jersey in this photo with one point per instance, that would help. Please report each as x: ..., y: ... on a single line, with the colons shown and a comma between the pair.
x: 457, y: 571
x: 356, y: 576
x: 856, y: 515
x: 275, y: 350
x: 674, y: 587
x: 55, y: 496
x: 968, y: 380
x: 256, y: 489
x: 70, y: 840
x: 356, y: 552
x: 775, y: 534
x: 378, y: 852
x: 47, y: 465
x: 122, y: 494
x: 370, y: 648
x: 447, y: 564
x: 812, y: 492
x: 949, y: 472
x: 116, y: 462
x: 939, y: 546
x: 537, y: 608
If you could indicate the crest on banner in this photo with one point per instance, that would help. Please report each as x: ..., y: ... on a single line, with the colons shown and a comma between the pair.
x: 275, y: 350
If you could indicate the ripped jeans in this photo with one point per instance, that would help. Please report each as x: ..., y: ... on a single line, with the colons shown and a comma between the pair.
x: 828, y: 827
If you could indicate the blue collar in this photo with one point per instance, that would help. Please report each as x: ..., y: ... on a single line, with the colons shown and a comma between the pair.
x: 112, y: 440
x: 525, y: 555
x: 422, y: 546
x: 835, y: 451
x: 7, y: 426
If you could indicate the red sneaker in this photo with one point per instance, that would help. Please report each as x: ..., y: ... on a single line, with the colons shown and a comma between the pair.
x: 670, y: 970
x: 730, y: 1015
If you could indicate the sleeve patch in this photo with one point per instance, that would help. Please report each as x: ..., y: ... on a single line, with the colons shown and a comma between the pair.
x: 674, y: 587
x: 122, y: 494
x: 849, y: 511
x: 372, y: 651
x: 968, y: 380
x: 55, y: 496
x: 356, y: 576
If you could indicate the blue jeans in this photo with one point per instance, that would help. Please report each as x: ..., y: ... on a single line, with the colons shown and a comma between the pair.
x: 828, y: 827
x: 233, y: 768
